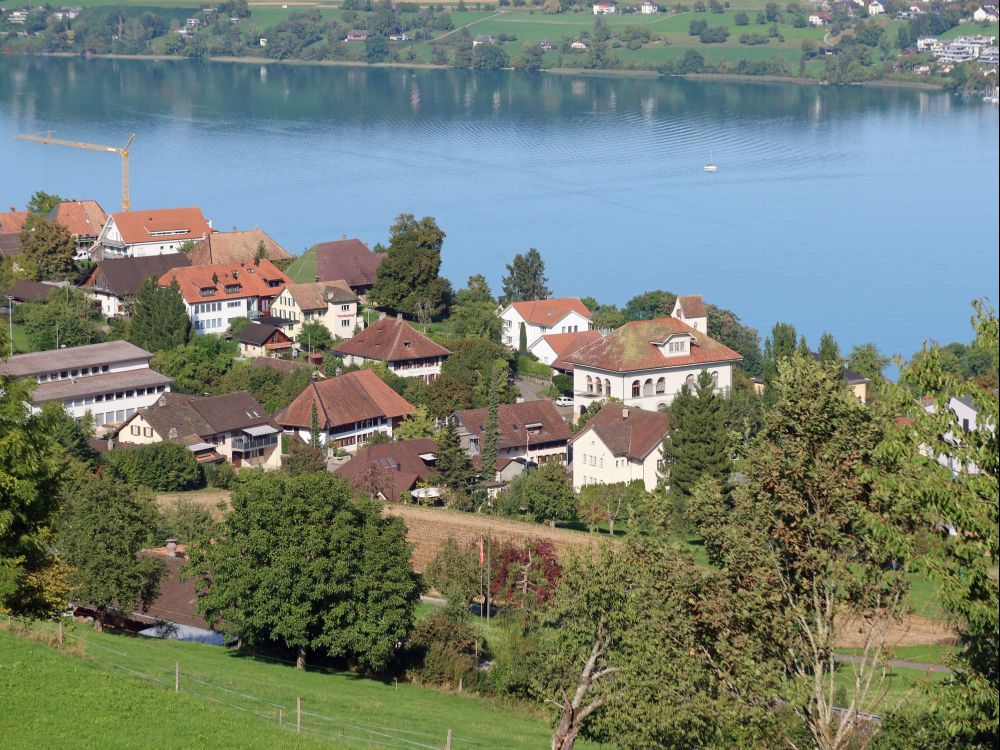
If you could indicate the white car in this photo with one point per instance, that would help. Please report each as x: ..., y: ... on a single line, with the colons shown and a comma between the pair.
x: 564, y: 401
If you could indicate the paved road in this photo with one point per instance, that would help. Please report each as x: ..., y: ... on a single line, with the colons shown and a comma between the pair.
x: 897, y: 664
x: 530, y: 390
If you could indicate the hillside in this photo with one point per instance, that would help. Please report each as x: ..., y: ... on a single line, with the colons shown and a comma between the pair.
x: 119, y: 692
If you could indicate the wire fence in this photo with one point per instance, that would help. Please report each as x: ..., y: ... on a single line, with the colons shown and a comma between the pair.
x: 290, y: 716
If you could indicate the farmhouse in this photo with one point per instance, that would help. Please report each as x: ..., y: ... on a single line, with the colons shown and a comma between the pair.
x: 538, y: 317
x: 604, y: 8
x: 215, y: 295
x: 349, y: 260
x: 649, y: 8
x: 646, y: 362
x: 82, y: 219
x: 392, y: 470
x: 619, y: 444
x: 111, y: 381
x: 531, y: 432
x: 141, y: 233
x: 236, y: 246
x: 345, y: 410
x: 405, y: 352
x: 115, y: 283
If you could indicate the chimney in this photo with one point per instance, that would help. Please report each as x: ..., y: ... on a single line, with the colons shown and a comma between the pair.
x: 172, y: 547
x: 624, y: 413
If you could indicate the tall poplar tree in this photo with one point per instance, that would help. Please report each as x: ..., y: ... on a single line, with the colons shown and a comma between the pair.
x: 525, y: 279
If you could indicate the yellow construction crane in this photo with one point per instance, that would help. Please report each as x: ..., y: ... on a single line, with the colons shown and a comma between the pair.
x: 123, y: 152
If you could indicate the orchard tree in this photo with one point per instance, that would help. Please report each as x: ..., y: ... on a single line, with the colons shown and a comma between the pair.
x: 525, y: 279
x: 409, y: 274
x: 47, y: 249
x: 160, y: 321
x: 455, y: 572
x: 102, y: 529
x: 314, y: 336
x: 544, y: 493
x: 299, y: 561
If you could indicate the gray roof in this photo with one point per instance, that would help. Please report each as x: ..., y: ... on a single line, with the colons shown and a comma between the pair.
x: 91, y: 385
x: 55, y: 360
x: 123, y: 276
x: 967, y: 400
x: 190, y: 417
x: 258, y: 334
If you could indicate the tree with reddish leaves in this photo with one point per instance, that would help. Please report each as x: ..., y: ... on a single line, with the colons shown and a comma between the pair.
x: 525, y: 575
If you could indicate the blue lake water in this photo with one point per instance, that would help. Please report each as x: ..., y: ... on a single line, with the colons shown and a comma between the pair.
x: 870, y: 213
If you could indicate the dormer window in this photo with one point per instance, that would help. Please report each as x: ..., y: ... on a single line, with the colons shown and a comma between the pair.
x: 675, y: 345
x: 207, y: 291
x: 232, y: 288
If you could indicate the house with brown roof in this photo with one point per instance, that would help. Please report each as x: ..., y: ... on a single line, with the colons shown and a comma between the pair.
x: 83, y: 219
x: 531, y: 433
x: 110, y: 381
x: 174, y: 612
x: 554, y: 348
x: 115, y: 283
x: 263, y: 340
x: 619, y: 444
x: 331, y: 303
x: 543, y: 316
x: 347, y: 410
x: 214, y: 295
x: 25, y: 290
x: 393, y: 470
x: 152, y: 232
x: 236, y: 246
x: 691, y: 309
x: 232, y: 427
x: 406, y: 352
x: 10, y: 232
x: 645, y: 363
x: 350, y: 260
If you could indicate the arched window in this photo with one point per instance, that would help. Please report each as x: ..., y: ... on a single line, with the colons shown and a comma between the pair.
x: 636, y: 387
x: 689, y: 380
x: 598, y: 383
x: 647, y: 387
x: 590, y: 384
x: 607, y: 386
x: 715, y: 378
x: 661, y: 386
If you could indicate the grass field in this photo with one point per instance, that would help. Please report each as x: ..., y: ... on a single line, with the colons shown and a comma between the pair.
x: 120, y: 694
x: 303, y: 269
x: 21, y: 342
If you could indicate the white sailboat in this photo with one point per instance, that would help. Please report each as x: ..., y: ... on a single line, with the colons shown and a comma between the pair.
x: 711, y: 166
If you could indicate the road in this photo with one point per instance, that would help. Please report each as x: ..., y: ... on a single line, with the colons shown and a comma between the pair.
x: 530, y: 390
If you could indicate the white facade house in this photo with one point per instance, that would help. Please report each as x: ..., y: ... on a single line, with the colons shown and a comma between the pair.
x: 604, y: 8
x: 539, y: 317
x: 645, y: 363
x: 985, y: 14
x: 110, y: 381
x: 216, y: 295
x: 648, y: 8
x: 405, y: 351
x: 138, y: 234
x: 875, y: 8
x: 691, y: 309
x: 815, y: 20
x: 620, y: 444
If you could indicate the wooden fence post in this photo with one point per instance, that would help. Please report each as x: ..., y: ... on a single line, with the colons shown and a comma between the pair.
x: 60, y: 631
x: 279, y: 717
x: 447, y: 744
x: 177, y: 676
x: 298, y: 715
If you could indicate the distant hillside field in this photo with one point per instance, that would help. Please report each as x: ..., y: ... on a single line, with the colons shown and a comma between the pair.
x: 120, y: 694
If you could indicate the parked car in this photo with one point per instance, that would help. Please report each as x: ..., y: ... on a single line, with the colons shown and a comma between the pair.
x: 564, y: 401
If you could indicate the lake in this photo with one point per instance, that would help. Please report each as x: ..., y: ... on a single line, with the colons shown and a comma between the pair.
x: 870, y: 213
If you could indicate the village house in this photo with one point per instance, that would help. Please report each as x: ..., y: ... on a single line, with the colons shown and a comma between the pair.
x: 174, y: 612
x: 965, y: 414
x: 232, y: 427
x: 649, y: 8
x: 332, y: 304
x: 357, y: 35
x: 875, y: 8
x: 347, y: 410
x: 349, y: 260
x: 115, y: 283
x: 82, y: 219
x: 553, y: 348
x: 263, y: 340
x: 646, y: 362
x: 390, y: 471
x: 538, y: 317
x: 604, y: 8
x: 483, y: 39
x: 531, y: 433
x: 215, y: 295
x: 405, y: 352
x: 985, y: 14
x: 140, y: 233
x: 111, y: 381
x: 24, y: 290
x: 619, y: 444
x: 236, y: 246
x: 578, y: 45
x: 817, y: 20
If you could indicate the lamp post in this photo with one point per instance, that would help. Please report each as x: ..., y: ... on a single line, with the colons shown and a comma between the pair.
x: 10, y: 321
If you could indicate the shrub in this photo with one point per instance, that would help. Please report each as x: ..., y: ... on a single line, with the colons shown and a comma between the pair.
x: 447, y: 645
x: 714, y: 35
x: 220, y: 476
x: 166, y: 467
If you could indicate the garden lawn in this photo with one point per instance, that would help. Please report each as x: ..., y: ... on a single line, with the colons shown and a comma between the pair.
x: 229, y: 700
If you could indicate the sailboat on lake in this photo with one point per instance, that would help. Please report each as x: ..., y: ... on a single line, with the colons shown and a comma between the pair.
x: 711, y: 166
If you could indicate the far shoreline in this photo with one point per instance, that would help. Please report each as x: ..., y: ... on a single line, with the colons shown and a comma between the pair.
x: 724, y: 77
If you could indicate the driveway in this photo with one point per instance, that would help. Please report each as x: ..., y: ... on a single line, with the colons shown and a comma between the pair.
x: 530, y: 390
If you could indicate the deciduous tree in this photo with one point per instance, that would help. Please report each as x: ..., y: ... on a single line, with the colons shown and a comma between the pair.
x: 409, y: 274
x: 525, y: 279
x: 68, y: 318
x: 47, y: 249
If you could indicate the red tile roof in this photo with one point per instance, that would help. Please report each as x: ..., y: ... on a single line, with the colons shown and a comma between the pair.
x: 248, y: 279
x: 633, y: 436
x: 350, y: 260
x: 512, y: 418
x: 176, y: 224
x: 399, y: 462
x: 548, y: 312
x: 632, y: 347
x: 81, y: 218
x: 12, y: 221
x: 343, y: 400
x: 390, y: 340
x: 232, y: 247
x: 693, y: 306
x: 564, y: 344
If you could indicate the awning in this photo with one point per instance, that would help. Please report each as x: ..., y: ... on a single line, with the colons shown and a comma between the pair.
x: 260, y: 430
x: 427, y: 457
x: 198, y: 447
